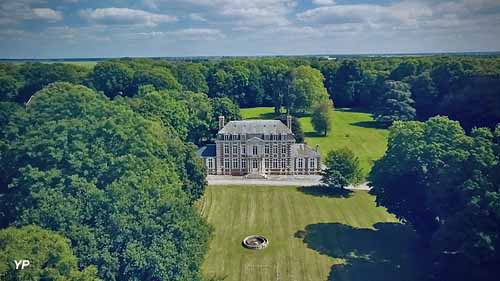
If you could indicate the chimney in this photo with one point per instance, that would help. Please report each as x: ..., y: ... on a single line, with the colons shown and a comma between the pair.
x: 289, y: 121
x: 221, y: 122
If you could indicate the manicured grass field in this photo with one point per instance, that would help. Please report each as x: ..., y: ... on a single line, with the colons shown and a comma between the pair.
x: 352, y: 129
x: 313, y: 236
x: 88, y: 64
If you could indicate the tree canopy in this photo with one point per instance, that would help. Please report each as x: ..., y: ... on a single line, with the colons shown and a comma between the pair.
x: 119, y: 186
x: 445, y: 184
x: 395, y: 104
x: 322, y: 116
x: 49, y: 254
x: 342, y: 169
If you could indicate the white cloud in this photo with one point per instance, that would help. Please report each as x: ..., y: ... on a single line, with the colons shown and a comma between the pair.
x: 258, y: 12
x: 12, y: 12
x: 198, y: 33
x: 186, y: 34
x: 197, y: 17
x: 125, y: 16
x: 47, y: 14
x: 402, y: 13
x: 324, y: 2
x: 241, y: 12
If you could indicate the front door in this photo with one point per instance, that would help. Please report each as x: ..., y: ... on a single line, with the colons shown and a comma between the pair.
x: 255, y: 166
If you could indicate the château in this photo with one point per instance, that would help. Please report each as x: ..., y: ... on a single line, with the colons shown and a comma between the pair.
x: 259, y: 148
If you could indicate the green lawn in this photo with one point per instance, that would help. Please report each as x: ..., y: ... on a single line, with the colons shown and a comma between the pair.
x: 352, y: 129
x: 86, y: 64
x: 313, y: 236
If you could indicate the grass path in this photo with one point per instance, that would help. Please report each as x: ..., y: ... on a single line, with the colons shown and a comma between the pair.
x: 352, y: 129
x: 340, y: 243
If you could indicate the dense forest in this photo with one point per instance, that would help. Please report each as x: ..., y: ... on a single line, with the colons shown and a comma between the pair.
x: 102, y: 160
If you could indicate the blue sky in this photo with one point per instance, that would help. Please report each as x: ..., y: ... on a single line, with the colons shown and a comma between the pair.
x: 117, y: 28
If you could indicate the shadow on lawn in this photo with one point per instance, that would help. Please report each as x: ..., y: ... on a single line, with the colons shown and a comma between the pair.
x: 313, y: 135
x: 267, y: 115
x: 388, y: 252
x: 324, y: 191
x: 369, y: 124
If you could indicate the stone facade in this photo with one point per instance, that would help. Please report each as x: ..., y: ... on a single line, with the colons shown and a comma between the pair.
x: 258, y: 148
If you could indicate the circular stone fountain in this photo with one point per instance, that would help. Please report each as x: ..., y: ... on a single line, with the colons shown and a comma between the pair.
x: 255, y: 242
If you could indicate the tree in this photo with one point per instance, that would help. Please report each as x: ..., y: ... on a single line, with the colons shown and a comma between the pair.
x: 165, y: 107
x: 342, y: 169
x: 230, y: 80
x: 191, y: 76
x: 445, y: 184
x: 8, y: 88
x: 38, y: 75
x: 200, y: 116
x: 445, y: 75
x: 306, y: 89
x: 425, y: 95
x: 224, y: 107
x: 296, y: 127
x: 338, y: 87
x: 395, y: 104
x: 49, y: 254
x: 322, y: 116
x: 160, y: 78
x: 276, y: 81
x: 112, y: 77
x: 119, y: 186
x: 475, y: 104
x: 403, y: 70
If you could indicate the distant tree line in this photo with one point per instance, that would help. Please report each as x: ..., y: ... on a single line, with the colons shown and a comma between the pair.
x: 464, y: 88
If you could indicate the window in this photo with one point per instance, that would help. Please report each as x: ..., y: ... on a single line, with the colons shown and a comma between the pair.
x: 226, y: 137
x: 243, y: 149
x: 312, y: 164
x: 300, y: 163
x: 235, y: 163
x: 243, y: 164
x: 235, y: 149
x: 275, y: 163
x: 284, y: 163
x: 226, y: 163
x: 266, y: 163
x: 210, y: 163
x: 283, y: 149
x: 226, y: 149
x: 275, y: 149
x: 266, y: 149
x: 254, y: 163
x: 254, y: 150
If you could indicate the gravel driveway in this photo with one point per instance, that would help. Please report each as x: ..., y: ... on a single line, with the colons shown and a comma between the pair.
x: 274, y: 180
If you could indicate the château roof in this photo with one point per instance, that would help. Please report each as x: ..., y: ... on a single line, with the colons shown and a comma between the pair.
x: 303, y: 150
x: 207, y: 151
x: 275, y: 127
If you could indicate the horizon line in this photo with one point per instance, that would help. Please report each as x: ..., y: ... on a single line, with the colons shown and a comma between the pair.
x: 258, y: 56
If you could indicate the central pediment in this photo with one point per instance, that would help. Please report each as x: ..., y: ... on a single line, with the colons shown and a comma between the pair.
x: 255, y: 140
